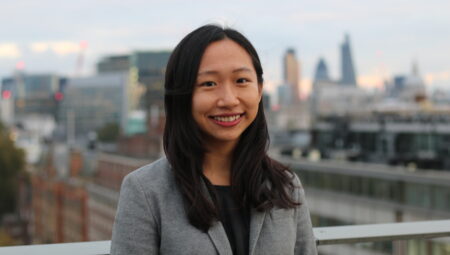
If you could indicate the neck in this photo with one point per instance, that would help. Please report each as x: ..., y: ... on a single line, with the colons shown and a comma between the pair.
x: 217, y: 164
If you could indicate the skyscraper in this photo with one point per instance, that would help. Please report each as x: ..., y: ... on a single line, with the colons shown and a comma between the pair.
x: 321, y: 72
x: 292, y: 73
x: 347, y: 68
x: 34, y: 93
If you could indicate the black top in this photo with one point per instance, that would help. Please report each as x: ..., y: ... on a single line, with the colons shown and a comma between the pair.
x: 235, y: 220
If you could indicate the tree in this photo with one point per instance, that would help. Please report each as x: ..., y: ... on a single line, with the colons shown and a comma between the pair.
x: 12, y: 163
x: 109, y: 132
x: 5, y: 239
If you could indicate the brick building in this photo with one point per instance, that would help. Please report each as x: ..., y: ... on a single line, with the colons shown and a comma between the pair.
x: 60, y: 210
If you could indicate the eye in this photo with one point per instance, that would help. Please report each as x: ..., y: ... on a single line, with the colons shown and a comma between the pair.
x: 208, y: 84
x: 242, y: 80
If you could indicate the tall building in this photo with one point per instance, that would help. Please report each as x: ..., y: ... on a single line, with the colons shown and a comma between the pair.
x: 284, y: 92
x: 151, y: 67
x: 104, y: 192
x: 59, y: 210
x: 409, y: 87
x: 322, y: 86
x: 266, y: 100
x: 34, y: 93
x: 330, y: 96
x: 145, y: 91
x: 115, y: 63
x: 91, y: 102
x: 6, y: 106
x: 348, y: 76
x: 321, y: 72
x: 292, y: 74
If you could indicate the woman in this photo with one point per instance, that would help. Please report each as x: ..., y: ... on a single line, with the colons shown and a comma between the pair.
x: 217, y: 192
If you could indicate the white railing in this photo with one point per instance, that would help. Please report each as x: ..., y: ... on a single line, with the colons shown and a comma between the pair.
x: 382, y: 232
x: 324, y: 236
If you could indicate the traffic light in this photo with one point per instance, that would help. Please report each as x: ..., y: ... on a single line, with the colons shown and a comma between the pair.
x: 6, y: 94
x: 59, y: 96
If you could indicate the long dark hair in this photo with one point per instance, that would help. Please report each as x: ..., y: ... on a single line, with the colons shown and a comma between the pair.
x: 257, y: 180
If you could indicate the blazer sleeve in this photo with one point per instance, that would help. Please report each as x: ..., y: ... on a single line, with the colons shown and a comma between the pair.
x: 135, y: 228
x: 305, y: 242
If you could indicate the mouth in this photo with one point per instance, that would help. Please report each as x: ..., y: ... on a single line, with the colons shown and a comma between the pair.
x: 227, y: 119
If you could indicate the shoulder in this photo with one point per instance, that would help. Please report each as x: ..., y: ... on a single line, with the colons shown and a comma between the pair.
x: 295, y: 180
x: 291, y: 181
x: 156, y: 175
x: 297, y: 187
x: 287, y: 171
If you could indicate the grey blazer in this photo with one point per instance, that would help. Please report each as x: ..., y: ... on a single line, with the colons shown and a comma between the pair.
x: 151, y: 219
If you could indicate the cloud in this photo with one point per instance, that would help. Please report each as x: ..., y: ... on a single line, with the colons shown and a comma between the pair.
x: 9, y: 50
x: 305, y: 88
x: 313, y: 17
x: 65, y: 48
x: 39, y: 47
x: 430, y: 78
x: 60, y: 48
x: 370, y: 81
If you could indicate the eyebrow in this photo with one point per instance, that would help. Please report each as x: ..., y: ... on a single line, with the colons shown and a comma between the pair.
x: 241, y: 69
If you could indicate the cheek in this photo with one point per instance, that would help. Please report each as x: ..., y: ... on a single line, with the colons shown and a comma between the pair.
x: 253, y: 100
x: 200, y: 104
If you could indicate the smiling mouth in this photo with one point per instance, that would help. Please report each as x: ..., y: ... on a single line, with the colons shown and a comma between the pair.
x: 228, y: 118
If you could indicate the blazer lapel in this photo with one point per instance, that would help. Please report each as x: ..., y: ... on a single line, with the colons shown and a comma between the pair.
x: 256, y: 223
x: 220, y: 239
x: 217, y: 232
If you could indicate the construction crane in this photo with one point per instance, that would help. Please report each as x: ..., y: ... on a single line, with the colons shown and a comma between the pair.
x: 80, y: 59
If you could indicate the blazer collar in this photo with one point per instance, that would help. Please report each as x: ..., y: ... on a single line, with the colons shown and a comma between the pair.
x: 219, y: 237
x: 256, y: 223
x: 217, y: 232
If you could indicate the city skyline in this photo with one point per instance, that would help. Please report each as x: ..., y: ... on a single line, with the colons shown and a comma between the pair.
x: 348, y: 73
x: 385, y: 41
x: 292, y: 74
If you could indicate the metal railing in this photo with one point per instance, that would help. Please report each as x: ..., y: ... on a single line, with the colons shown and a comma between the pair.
x: 324, y: 236
x: 382, y: 232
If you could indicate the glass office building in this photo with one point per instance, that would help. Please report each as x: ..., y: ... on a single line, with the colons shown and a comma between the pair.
x: 94, y: 101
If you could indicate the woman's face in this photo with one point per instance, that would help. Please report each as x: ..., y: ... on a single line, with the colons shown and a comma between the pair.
x: 226, y: 95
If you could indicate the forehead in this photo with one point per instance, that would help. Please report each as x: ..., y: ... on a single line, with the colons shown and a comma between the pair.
x: 225, y: 53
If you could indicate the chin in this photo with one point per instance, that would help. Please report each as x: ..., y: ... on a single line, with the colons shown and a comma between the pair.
x: 228, y: 139
x: 225, y: 139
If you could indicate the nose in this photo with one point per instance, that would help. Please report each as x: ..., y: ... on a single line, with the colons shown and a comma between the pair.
x: 228, y: 96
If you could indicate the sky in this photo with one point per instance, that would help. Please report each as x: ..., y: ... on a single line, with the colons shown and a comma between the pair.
x: 386, y: 35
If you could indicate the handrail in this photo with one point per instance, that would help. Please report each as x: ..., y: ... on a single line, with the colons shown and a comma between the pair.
x: 382, y: 232
x: 324, y: 236
x: 80, y: 248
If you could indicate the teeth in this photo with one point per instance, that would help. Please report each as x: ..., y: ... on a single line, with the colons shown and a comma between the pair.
x: 228, y: 118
